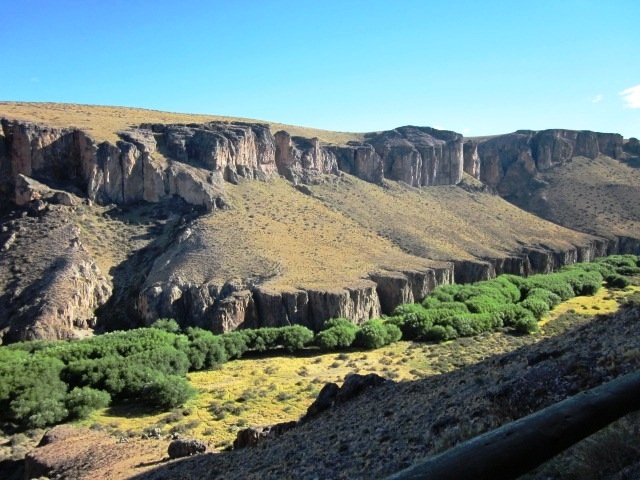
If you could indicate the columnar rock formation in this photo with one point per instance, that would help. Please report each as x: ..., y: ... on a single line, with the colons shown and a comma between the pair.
x: 155, y: 161
x: 420, y: 156
x: 509, y: 162
x: 194, y: 162
x: 221, y: 308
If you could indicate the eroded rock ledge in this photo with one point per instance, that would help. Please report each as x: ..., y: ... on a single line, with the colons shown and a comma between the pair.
x: 509, y: 162
x: 232, y: 305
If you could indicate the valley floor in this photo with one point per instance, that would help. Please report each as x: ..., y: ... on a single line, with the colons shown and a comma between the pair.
x: 448, y: 392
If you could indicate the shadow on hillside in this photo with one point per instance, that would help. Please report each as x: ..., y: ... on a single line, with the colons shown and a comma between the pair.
x: 495, y: 391
x: 160, y: 221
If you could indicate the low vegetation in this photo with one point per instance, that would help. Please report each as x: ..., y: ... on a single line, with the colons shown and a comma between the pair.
x: 47, y: 382
x: 102, y: 122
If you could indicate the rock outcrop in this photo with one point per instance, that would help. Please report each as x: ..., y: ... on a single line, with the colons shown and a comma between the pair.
x: 135, y: 168
x: 331, y: 395
x: 155, y: 161
x: 359, y: 159
x: 420, y: 156
x: 301, y: 160
x: 632, y: 146
x: 236, y: 304
x: 471, y: 158
x: 509, y: 162
x: 185, y: 448
x: 54, y: 293
x: 253, y: 436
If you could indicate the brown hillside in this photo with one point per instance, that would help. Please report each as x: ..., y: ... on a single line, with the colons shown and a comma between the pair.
x: 600, y: 196
x: 102, y: 122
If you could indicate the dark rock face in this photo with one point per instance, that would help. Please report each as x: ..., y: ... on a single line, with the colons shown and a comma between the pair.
x: 252, y: 436
x: 185, y: 448
x: 326, y: 399
x: 509, y: 162
x: 330, y: 395
x: 420, y: 156
x: 360, y: 160
x: 632, y: 146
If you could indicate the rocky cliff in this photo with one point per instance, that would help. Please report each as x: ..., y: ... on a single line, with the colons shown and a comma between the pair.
x: 221, y: 306
x: 48, y: 172
x: 509, y: 162
x: 156, y: 161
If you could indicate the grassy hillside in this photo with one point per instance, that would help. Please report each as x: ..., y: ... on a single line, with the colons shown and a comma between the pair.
x: 599, y: 196
x: 103, y: 122
x: 444, y: 222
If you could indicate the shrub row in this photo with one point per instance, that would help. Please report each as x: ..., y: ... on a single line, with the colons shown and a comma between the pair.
x: 46, y: 382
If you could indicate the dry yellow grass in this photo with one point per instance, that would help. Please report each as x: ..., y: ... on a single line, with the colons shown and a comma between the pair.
x: 604, y: 302
x: 277, y: 388
x: 600, y: 195
x: 275, y: 232
x: 102, y: 122
x: 443, y: 223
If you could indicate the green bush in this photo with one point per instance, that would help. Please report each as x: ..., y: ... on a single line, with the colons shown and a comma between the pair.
x: 80, y: 402
x: 166, y: 324
x: 37, y: 410
x: 338, y: 322
x: 336, y: 338
x: 617, y: 281
x: 371, y: 334
x: 553, y: 283
x: 31, y: 391
x: 537, y: 306
x: 235, y: 344
x: 167, y: 391
x: 295, y: 337
x: 205, y: 349
x: 376, y: 333
x: 526, y: 324
x: 550, y: 298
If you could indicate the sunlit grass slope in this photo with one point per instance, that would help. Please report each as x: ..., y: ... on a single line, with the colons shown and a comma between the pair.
x: 600, y: 195
x: 443, y: 223
x: 103, y: 122
x: 273, y: 232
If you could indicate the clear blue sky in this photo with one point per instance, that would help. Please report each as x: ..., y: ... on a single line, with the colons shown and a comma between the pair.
x: 477, y: 67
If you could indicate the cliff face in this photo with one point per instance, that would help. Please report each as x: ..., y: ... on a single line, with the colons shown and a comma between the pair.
x: 510, y: 162
x: 135, y: 169
x: 300, y: 159
x: 192, y: 161
x: 420, y: 156
x: 233, y: 305
x: 42, y: 166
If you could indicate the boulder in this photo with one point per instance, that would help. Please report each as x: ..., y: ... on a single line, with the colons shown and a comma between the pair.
x: 354, y: 384
x: 185, y: 448
x: 252, y: 436
x: 326, y: 399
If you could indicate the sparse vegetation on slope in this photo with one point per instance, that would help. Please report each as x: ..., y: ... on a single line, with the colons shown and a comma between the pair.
x: 149, y: 365
x: 599, y: 196
x: 444, y: 222
x: 102, y: 122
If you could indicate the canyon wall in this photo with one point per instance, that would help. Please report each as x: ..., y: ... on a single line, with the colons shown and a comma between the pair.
x: 224, y: 307
x: 193, y: 161
x: 509, y: 162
